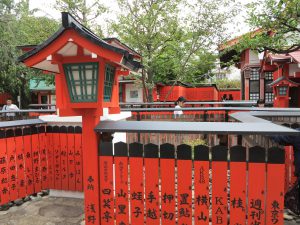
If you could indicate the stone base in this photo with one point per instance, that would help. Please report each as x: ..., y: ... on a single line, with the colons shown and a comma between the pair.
x: 66, y: 194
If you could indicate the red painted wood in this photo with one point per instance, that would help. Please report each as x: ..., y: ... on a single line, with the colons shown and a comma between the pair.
x: 275, y: 186
x: 57, y: 163
x: 50, y: 152
x: 184, y: 181
x: 64, y: 157
x: 106, y: 190
x: 256, y: 193
x: 36, y: 161
x: 152, y: 191
x: 71, y: 159
x: 201, y: 185
x: 237, y: 193
x: 28, y: 161
x: 136, y: 191
x: 4, y: 188
x: 78, y: 160
x: 43, y: 158
x: 167, y: 173
x: 12, y: 166
x: 20, y: 162
x: 219, y: 192
x: 121, y: 185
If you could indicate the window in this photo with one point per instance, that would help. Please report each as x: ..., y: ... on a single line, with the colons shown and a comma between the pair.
x: 108, y: 82
x: 254, y: 85
x: 282, y: 90
x: 82, y: 80
x: 269, y: 95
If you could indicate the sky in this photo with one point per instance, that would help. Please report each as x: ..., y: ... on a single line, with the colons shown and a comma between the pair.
x: 46, y: 8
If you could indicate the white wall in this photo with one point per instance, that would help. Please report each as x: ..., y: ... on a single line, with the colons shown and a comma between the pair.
x: 253, y: 57
x: 133, y: 93
x: 293, y: 69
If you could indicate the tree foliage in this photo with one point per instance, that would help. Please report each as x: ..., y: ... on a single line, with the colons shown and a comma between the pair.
x: 86, y: 12
x: 278, y: 22
x: 18, y: 26
x: 176, y: 38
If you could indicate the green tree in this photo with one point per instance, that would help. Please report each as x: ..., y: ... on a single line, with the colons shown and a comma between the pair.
x: 86, y: 12
x: 278, y: 23
x: 170, y: 41
x: 18, y: 26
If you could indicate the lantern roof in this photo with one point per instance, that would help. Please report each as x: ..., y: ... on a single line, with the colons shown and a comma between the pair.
x: 70, y: 48
x: 284, y: 81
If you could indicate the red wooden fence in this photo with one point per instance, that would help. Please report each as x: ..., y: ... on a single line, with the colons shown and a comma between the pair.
x: 38, y: 158
x: 157, y: 185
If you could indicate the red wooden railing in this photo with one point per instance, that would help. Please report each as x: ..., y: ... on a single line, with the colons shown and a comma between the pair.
x: 158, y: 185
x: 37, y: 158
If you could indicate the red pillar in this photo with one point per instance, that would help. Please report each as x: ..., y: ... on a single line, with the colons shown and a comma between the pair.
x: 90, y: 165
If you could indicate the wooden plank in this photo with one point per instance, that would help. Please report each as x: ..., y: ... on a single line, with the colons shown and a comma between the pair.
x: 43, y: 157
x: 238, y: 175
x: 201, y: 185
x: 20, y: 162
x: 36, y: 160
x: 57, y: 156
x: 28, y: 161
x: 64, y: 157
x: 275, y: 186
x: 184, y: 182
x: 4, y: 188
x: 256, y: 185
x: 219, y: 185
x: 50, y: 153
x: 167, y: 173
x: 121, y: 183
x: 71, y: 159
x: 136, y: 180
x: 12, y: 165
x: 106, y: 184
x: 78, y: 158
x: 151, y: 163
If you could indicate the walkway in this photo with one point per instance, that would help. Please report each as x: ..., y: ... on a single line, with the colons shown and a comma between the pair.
x: 45, y: 211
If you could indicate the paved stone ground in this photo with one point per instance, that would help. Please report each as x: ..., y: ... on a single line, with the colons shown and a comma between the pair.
x: 45, y: 211
x: 52, y: 211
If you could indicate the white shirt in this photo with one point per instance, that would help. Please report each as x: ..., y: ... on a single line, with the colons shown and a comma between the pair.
x: 11, y: 107
x: 177, y: 113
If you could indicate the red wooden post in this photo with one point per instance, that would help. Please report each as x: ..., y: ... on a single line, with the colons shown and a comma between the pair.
x: 12, y: 168
x: 121, y: 183
x: 4, y: 194
x: 167, y: 174
x: 91, y: 169
x: 50, y: 152
x: 57, y: 155
x: 256, y: 185
x: 28, y: 160
x: 43, y: 157
x: 107, y: 205
x: 201, y: 185
x: 36, y: 160
x: 78, y: 158
x: 136, y: 180
x: 71, y: 158
x: 151, y: 162
x: 219, y: 185
x: 63, y: 137
x: 238, y: 169
x: 184, y: 182
x: 275, y: 186
x: 20, y: 163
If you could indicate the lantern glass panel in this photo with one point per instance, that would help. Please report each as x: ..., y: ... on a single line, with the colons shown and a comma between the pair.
x: 82, y: 80
x: 108, y: 82
x: 282, y: 90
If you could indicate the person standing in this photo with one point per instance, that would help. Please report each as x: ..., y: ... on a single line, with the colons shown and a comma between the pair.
x: 10, y: 107
x: 179, y: 104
